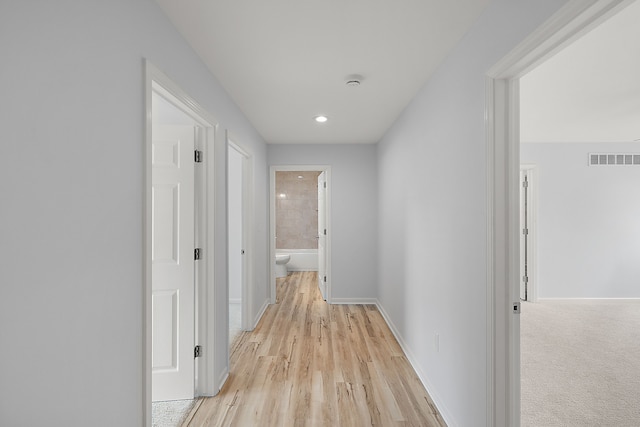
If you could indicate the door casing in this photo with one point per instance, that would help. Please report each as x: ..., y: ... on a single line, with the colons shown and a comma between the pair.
x: 571, y: 21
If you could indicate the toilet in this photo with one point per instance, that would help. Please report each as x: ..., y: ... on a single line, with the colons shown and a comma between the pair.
x: 281, y: 264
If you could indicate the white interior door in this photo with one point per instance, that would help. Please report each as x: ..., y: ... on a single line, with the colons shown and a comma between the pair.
x: 322, y: 234
x: 173, y: 272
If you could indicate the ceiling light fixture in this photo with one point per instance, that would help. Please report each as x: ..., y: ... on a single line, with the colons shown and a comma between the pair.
x: 321, y: 119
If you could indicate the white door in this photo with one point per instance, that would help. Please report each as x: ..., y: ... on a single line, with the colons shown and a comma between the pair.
x: 322, y: 234
x: 173, y: 272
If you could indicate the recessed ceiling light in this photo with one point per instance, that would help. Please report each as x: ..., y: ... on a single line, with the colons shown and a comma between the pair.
x: 321, y: 119
x: 300, y: 177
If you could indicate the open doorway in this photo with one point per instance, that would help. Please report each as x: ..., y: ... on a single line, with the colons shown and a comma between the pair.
x: 578, y: 121
x: 572, y: 21
x: 301, y: 223
x: 178, y: 250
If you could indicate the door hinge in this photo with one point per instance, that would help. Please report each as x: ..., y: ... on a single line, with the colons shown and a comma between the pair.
x: 325, y: 279
x: 198, y: 156
x: 525, y: 279
x: 525, y: 231
x: 325, y: 184
x: 197, y: 352
x: 196, y: 254
x: 516, y: 307
x: 525, y: 184
x: 325, y: 231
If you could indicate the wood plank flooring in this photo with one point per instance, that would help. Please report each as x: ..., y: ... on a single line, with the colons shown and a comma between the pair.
x: 313, y: 364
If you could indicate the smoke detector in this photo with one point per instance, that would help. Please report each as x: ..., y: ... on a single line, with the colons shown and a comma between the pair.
x: 354, y: 80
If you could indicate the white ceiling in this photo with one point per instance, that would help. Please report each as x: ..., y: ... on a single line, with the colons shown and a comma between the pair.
x: 286, y: 61
x: 590, y: 91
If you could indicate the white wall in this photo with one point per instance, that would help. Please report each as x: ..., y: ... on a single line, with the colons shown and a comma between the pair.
x: 432, y: 214
x: 588, y: 221
x: 353, y: 211
x: 71, y: 170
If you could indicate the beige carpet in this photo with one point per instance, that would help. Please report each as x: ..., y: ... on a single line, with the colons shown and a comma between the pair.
x: 171, y: 413
x: 580, y: 363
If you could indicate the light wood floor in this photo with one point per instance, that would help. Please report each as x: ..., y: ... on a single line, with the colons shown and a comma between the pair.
x: 313, y: 364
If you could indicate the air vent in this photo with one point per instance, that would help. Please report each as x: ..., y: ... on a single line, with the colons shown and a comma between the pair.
x: 598, y: 159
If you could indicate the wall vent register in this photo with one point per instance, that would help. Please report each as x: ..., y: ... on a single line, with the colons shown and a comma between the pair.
x: 598, y: 159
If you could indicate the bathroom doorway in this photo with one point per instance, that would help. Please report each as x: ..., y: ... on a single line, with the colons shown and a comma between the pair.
x: 297, y: 228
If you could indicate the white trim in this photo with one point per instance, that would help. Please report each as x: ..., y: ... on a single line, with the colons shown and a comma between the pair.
x: 413, y: 361
x: 570, y: 22
x: 156, y: 81
x: 272, y: 222
x: 235, y: 300
x: 222, y: 378
x: 355, y: 301
x: 258, y: 317
x: 490, y: 288
x: 575, y: 18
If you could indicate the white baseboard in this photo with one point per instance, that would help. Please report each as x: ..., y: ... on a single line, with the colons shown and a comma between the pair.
x: 221, y: 380
x: 290, y: 269
x: 260, y: 313
x: 357, y: 301
x: 442, y: 409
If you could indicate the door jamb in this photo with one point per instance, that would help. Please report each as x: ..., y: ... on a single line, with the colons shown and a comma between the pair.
x: 571, y: 21
x: 532, y: 218
x: 156, y: 81
x: 247, y: 235
x: 272, y: 221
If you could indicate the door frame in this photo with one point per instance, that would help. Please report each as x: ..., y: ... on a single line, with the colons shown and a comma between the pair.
x: 272, y: 222
x: 532, y: 220
x: 156, y: 81
x: 247, y: 235
x: 502, y: 108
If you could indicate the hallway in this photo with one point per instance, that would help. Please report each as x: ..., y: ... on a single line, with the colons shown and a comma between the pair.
x: 313, y: 364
